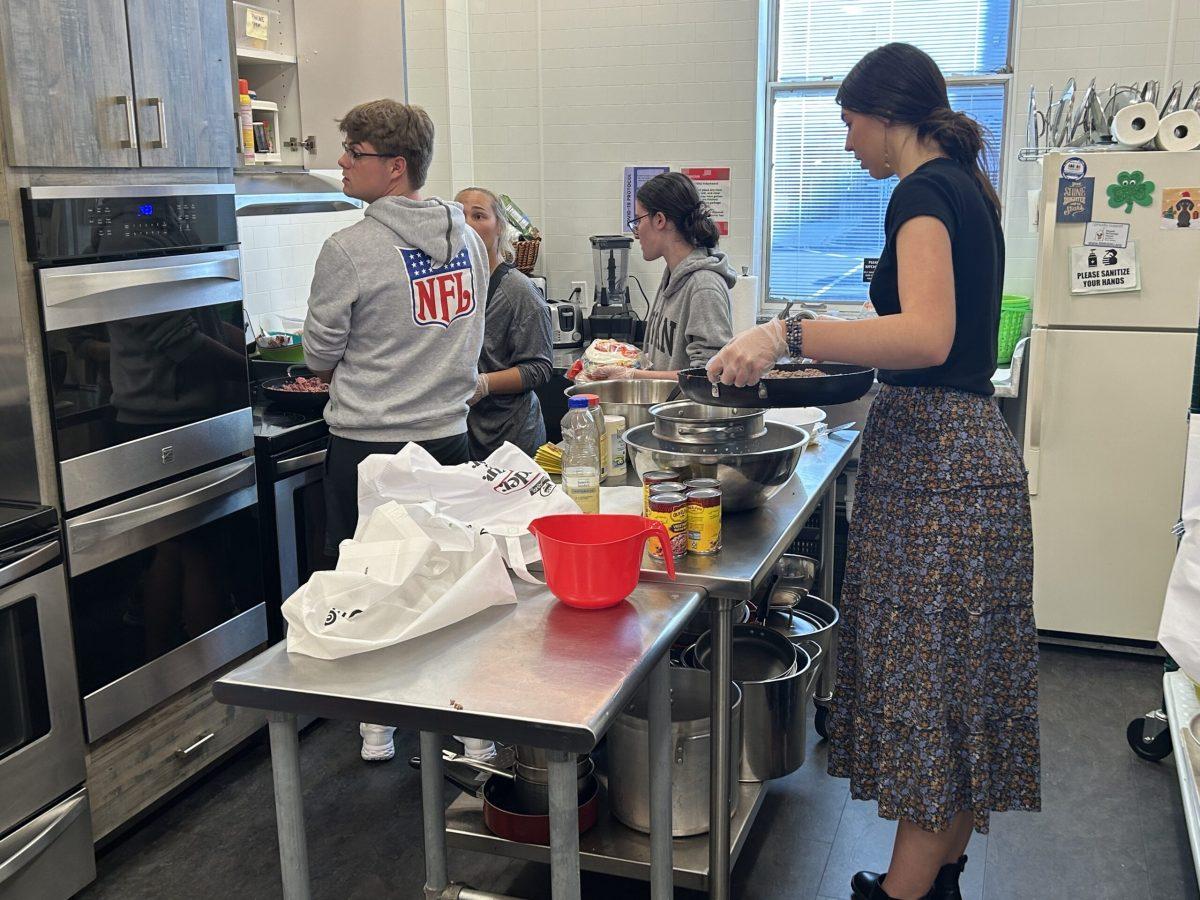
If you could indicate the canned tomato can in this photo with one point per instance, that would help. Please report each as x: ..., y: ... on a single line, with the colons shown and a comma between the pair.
x: 668, y: 487
x: 652, y: 478
x: 704, y: 521
x: 672, y: 511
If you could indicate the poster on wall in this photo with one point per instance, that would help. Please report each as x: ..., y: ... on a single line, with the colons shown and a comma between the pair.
x: 712, y: 183
x: 635, y: 177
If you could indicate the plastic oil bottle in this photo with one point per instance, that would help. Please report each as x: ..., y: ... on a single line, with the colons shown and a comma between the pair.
x: 598, y: 417
x: 581, y: 456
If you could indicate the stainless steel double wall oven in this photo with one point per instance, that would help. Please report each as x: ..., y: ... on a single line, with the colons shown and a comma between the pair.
x: 140, y: 294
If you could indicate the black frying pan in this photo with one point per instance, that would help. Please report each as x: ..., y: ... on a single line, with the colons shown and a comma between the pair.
x: 841, y: 383
x: 296, y: 401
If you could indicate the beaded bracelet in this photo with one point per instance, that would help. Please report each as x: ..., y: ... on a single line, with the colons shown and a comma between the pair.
x: 795, y: 337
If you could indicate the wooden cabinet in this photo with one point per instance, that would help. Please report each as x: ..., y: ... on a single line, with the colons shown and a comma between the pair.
x: 314, y: 73
x: 68, y: 86
x: 133, y: 768
x: 116, y: 83
x: 180, y: 59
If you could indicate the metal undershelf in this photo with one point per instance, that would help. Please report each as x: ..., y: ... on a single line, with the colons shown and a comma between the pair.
x: 609, y: 847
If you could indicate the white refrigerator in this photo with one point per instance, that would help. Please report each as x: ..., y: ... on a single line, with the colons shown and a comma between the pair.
x: 1110, y: 381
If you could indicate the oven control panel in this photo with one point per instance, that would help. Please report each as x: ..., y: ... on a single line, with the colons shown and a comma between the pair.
x: 70, y: 225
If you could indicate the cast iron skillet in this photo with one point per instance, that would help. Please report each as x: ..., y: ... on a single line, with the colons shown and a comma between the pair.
x: 296, y: 401
x: 841, y: 383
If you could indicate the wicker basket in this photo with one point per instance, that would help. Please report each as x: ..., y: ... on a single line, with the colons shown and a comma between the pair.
x: 527, y: 253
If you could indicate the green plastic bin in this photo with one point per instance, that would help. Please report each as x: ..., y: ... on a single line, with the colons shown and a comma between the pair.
x: 1014, y: 311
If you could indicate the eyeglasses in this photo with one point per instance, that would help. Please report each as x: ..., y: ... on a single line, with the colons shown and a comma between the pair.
x: 356, y: 155
x: 633, y: 223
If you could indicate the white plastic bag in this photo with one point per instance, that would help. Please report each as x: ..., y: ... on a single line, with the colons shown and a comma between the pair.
x: 500, y: 496
x: 1179, y: 628
x: 396, y: 580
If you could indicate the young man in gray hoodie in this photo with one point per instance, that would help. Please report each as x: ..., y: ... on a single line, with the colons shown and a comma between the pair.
x: 396, y: 310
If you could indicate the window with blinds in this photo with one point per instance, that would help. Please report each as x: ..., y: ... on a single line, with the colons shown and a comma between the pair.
x: 825, y: 213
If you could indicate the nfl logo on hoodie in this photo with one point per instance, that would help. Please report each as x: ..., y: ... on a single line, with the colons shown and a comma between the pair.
x: 440, y: 294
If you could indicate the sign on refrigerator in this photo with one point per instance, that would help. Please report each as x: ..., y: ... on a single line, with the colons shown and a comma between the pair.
x: 1100, y: 270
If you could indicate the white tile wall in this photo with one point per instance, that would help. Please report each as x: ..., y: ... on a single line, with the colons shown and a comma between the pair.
x: 565, y: 93
x: 278, y: 255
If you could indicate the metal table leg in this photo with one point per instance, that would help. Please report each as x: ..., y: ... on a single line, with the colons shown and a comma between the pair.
x: 289, y: 805
x: 564, y: 826
x: 433, y: 815
x: 661, y: 870
x: 721, y: 750
x: 828, y: 561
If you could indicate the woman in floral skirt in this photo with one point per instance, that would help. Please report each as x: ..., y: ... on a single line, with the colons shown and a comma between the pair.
x: 935, y: 711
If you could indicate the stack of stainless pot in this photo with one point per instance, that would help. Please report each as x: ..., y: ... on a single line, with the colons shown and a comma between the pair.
x: 529, y: 774
x: 802, y: 616
x: 777, y: 679
x: 629, y: 762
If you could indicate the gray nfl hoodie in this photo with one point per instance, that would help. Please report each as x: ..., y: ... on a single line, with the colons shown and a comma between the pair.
x: 691, y: 319
x: 396, y: 310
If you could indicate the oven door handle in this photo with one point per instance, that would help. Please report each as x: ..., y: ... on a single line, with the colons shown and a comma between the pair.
x: 48, y: 827
x: 29, y: 563
x: 66, y: 286
x: 296, y: 463
x: 203, y: 500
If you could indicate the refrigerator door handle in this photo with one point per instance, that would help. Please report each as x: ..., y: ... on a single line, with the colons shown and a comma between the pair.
x: 1045, y: 257
x: 1037, y: 381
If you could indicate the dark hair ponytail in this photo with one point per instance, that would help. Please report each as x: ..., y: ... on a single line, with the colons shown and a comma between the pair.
x: 674, y: 195
x: 902, y: 84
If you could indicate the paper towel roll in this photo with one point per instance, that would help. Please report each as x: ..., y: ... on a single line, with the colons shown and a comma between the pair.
x: 1136, y: 125
x: 744, y: 298
x: 1179, y: 131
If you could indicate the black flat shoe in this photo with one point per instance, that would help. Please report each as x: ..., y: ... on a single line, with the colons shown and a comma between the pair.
x: 869, y: 885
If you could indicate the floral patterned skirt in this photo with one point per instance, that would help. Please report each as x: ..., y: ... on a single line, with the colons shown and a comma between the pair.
x: 935, y: 708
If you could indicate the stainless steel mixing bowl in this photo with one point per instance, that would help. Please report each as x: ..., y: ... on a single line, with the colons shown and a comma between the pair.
x: 750, y: 472
x: 631, y: 398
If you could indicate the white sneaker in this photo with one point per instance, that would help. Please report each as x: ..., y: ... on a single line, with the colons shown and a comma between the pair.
x: 377, y: 743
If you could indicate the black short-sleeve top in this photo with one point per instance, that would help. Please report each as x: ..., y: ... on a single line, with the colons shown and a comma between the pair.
x: 949, y: 192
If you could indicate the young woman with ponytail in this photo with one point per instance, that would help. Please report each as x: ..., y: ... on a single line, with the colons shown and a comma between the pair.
x: 690, y: 318
x: 935, y: 710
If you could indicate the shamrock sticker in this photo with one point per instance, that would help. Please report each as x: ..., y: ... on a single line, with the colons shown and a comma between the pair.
x: 1131, y: 188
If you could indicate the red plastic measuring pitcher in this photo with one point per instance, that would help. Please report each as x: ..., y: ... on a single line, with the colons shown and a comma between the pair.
x: 593, y: 561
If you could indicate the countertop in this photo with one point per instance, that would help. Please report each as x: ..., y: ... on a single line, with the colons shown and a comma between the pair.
x: 755, y: 539
x: 534, y: 672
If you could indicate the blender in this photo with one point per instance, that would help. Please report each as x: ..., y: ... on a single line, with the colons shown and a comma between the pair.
x: 611, y: 315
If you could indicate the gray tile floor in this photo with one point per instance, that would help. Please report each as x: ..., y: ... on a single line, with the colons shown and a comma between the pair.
x: 1112, y: 825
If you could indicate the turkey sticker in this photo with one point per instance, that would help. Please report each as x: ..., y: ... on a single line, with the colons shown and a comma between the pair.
x: 1179, y: 208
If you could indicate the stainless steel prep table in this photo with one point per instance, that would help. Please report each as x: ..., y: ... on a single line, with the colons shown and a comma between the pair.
x: 753, y: 541
x: 537, y: 673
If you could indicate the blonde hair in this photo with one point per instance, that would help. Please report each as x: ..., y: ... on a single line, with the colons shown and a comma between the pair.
x: 504, y: 231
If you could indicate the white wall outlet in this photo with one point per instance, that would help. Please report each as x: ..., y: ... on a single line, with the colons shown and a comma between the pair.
x: 583, y: 297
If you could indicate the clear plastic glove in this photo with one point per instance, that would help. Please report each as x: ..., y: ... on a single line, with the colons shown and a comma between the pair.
x: 611, y: 373
x: 481, y: 389
x: 750, y: 355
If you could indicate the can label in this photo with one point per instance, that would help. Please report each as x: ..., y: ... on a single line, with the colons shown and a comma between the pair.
x: 671, y: 511
x: 704, y: 529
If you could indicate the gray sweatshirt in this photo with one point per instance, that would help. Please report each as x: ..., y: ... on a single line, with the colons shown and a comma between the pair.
x: 691, y: 316
x: 396, y: 310
x: 517, y: 334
